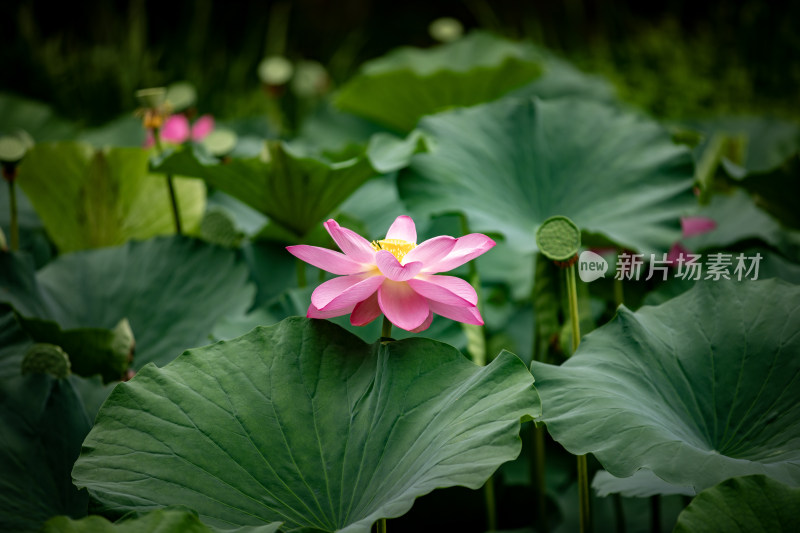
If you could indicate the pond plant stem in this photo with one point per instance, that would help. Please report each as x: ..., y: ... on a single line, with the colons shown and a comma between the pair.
x: 476, y: 346
x: 619, y: 510
x: 170, y: 185
x: 538, y: 452
x: 541, y: 484
x: 655, y: 513
x: 386, y: 338
x: 12, y: 200
x: 583, y: 471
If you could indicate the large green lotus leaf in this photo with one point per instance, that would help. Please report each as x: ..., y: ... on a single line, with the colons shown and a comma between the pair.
x: 173, y: 520
x: 698, y: 389
x: 305, y: 424
x: 329, y: 128
x: 762, y: 155
x: 511, y: 164
x: 42, y: 425
x: 775, y: 191
x: 763, y: 143
x: 642, y: 484
x: 90, y: 198
x: 18, y: 285
x: 172, y: 290
x: 749, y: 504
x: 738, y: 219
x: 126, y: 130
x: 561, y: 79
x: 36, y: 118
x: 408, y: 83
x: 162, y: 521
x: 32, y: 236
x: 13, y: 343
x: 770, y: 265
x: 294, y: 190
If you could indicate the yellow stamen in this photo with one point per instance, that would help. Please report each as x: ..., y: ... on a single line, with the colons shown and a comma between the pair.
x: 397, y: 247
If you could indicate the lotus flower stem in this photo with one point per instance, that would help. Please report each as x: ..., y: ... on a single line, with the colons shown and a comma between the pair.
x: 380, y: 525
x: 583, y: 470
x: 173, y: 198
x: 12, y: 199
x: 386, y: 329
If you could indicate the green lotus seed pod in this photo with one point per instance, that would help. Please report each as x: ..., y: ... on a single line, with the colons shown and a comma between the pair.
x: 43, y: 358
x: 181, y: 95
x: 275, y: 70
x: 12, y: 149
x: 558, y: 238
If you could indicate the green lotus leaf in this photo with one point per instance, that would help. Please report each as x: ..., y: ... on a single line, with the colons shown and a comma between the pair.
x: 408, y: 83
x: 328, y: 128
x: 770, y: 265
x: 749, y: 504
x: 32, y: 236
x: 126, y: 130
x: 511, y: 164
x: 90, y: 198
x: 34, y: 117
x: 561, y: 79
x: 294, y: 190
x: 42, y: 425
x: 642, y: 484
x: 172, y: 290
x: 737, y: 219
x: 305, y: 424
x: 160, y: 521
x: 697, y: 390
x: 14, y: 343
x: 759, y: 144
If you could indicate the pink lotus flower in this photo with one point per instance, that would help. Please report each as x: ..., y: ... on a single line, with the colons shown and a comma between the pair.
x: 394, y: 276
x: 177, y: 130
x: 690, y: 226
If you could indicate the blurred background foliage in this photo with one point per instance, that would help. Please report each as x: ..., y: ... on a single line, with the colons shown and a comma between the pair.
x: 673, y: 58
